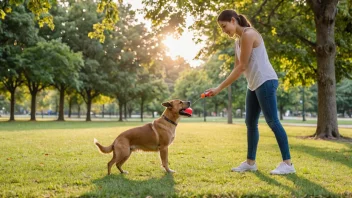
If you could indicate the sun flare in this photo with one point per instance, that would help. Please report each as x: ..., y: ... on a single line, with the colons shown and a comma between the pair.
x: 173, y: 45
x: 183, y: 47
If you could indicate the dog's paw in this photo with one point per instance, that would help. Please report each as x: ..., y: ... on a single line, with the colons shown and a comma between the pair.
x: 125, y: 172
x: 170, y: 171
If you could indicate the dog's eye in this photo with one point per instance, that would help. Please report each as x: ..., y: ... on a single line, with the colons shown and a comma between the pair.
x: 180, y: 102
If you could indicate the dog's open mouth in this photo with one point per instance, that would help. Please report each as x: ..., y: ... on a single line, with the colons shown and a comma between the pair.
x: 186, y: 112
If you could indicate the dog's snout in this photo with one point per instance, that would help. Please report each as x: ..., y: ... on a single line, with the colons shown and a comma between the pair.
x: 188, y: 103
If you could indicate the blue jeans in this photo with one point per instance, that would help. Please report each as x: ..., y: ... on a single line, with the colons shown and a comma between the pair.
x: 264, y: 98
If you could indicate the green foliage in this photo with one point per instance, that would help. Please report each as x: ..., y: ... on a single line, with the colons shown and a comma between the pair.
x: 18, y: 29
x: 218, y: 67
x: 18, y: 32
x: 343, y: 39
x: 148, y: 87
x: 39, y: 63
x: 344, y: 97
x: 190, y: 85
x: 172, y: 70
x: 5, y: 11
x: 287, y: 27
x: 41, y: 10
x: 110, y: 9
x: 67, y: 64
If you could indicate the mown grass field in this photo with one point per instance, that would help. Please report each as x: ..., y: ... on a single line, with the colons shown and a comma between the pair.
x: 59, y: 159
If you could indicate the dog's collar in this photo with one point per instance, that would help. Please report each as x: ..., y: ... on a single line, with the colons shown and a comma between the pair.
x: 167, y: 119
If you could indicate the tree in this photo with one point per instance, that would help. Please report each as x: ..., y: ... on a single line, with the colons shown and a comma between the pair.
x: 172, y: 70
x: 133, y: 54
x: 93, y: 75
x: 103, y: 100
x: 325, y: 47
x: 41, y: 9
x: 38, y: 70
x: 17, y: 32
x: 218, y: 67
x: 344, y: 97
x: 286, y: 98
x: 307, y: 44
x: 291, y: 34
x: 73, y: 98
x: 190, y: 85
x: 148, y: 87
x: 126, y: 47
x: 94, y: 81
x: 67, y: 65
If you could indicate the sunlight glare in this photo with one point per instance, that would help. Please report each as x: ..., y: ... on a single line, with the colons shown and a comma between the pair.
x: 183, y: 47
x: 172, y: 45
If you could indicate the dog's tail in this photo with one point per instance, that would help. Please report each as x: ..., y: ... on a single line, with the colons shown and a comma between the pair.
x: 102, y: 148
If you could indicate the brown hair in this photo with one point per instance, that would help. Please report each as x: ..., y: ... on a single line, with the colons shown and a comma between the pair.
x: 227, y: 15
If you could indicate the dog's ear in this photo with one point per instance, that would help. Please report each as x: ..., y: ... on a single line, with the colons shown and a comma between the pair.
x: 167, y: 104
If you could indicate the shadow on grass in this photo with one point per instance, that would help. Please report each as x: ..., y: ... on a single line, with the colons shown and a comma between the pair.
x: 120, y: 186
x: 302, y: 186
x: 331, y: 155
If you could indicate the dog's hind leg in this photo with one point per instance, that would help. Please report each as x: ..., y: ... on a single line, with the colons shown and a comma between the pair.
x: 112, y: 162
x: 122, y: 157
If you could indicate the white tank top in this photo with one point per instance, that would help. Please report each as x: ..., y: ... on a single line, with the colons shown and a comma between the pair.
x: 259, y: 68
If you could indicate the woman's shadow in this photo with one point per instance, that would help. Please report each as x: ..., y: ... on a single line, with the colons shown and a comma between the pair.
x: 121, y: 186
x: 302, y: 186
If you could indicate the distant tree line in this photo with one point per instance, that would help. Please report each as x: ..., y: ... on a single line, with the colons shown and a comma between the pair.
x: 130, y: 66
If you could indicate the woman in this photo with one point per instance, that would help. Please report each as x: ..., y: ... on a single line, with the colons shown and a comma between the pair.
x: 252, y: 61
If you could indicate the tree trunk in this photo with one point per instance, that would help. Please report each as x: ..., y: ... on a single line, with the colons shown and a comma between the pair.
x: 142, y: 105
x: 216, y: 110
x: 79, y: 110
x: 61, y: 104
x: 70, y: 107
x: 103, y: 110
x: 281, y: 110
x: 204, y: 110
x: 303, y: 106
x: 56, y: 106
x: 33, y: 105
x: 130, y: 110
x: 229, y: 105
x: 89, y: 106
x: 120, y: 110
x: 325, y: 15
x: 12, y: 105
x: 125, y: 110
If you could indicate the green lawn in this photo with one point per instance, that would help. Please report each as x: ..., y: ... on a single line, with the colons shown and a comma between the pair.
x: 195, y: 118
x: 59, y: 159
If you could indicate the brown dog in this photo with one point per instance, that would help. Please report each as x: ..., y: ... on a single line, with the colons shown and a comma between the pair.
x: 156, y: 136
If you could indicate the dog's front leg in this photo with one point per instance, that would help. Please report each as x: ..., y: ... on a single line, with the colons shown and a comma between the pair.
x: 164, y: 159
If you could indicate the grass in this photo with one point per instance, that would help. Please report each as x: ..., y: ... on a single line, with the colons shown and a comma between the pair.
x: 58, y: 159
x: 195, y: 118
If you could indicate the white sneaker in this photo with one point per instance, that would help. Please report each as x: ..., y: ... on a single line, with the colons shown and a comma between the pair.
x: 244, y: 166
x: 283, y: 169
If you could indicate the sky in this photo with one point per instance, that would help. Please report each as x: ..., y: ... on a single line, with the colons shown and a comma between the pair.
x: 183, y: 46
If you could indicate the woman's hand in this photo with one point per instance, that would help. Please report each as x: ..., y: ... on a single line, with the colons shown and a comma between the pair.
x: 213, y: 91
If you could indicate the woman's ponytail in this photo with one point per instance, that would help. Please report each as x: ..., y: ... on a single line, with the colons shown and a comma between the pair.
x: 242, y: 20
x: 227, y: 15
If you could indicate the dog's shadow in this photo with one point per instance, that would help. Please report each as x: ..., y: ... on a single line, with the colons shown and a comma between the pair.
x: 120, y: 186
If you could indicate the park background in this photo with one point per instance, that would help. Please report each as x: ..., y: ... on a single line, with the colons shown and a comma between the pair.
x: 104, y: 67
